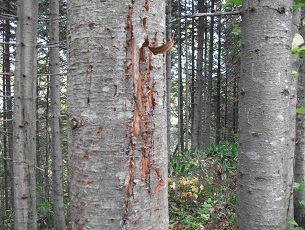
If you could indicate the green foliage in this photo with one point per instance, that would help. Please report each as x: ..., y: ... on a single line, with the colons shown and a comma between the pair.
x: 294, y: 73
x: 298, y: 187
x: 302, y: 203
x: 298, y: 4
x: 292, y: 222
x: 7, y: 220
x: 232, y: 3
x: 202, y: 188
x: 297, y: 46
x: 301, y: 110
x: 45, y: 215
x: 299, y: 51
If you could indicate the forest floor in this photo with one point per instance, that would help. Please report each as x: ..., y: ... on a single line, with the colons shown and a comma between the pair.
x: 202, y: 187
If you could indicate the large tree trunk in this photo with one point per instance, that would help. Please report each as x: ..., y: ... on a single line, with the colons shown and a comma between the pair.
x: 267, y: 105
x: 57, y: 168
x: 117, y: 115
x: 24, y: 125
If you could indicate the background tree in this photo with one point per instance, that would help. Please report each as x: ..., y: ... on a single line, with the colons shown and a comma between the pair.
x: 299, y: 167
x: 267, y: 102
x: 117, y: 109
x: 24, y: 125
x: 57, y: 159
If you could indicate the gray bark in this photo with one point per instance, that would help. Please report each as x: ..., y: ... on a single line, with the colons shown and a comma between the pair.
x: 24, y: 117
x: 117, y: 114
x: 168, y: 74
x: 197, y: 121
x: 208, y: 93
x: 57, y: 167
x: 299, y: 167
x: 180, y: 88
x: 8, y: 115
x: 267, y: 104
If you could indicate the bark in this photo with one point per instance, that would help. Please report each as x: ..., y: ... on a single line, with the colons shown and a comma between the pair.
x: 117, y: 109
x: 180, y: 89
x: 218, y: 96
x: 8, y: 115
x: 24, y: 125
x: 299, y: 167
x: 197, y: 121
x: 208, y: 94
x: 192, y: 87
x: 168, y: 74
x: 267, y: 100
x: 57, y: 159
x: 187, y: 109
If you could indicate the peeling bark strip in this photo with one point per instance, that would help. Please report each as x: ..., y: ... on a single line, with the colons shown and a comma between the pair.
x: 138, y: 68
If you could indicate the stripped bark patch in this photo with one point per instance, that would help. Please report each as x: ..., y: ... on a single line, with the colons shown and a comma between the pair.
x: 146, y: 6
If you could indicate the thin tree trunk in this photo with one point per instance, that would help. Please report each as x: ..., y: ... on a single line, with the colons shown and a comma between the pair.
x: 299, y: 167
x: 47, y: 166
x: 267, y: 113
x: 218, y: 96
x: 192, y: 87
x: 202, y: 143
x: 8, y: 115
x: 168, y: 74
x: 180, y: 89
x: 199, y: 81
x: 117, y: 109
x: 57, y: 167
x: 187, y: 109
x: 24, y: 124
x: 207, y: 127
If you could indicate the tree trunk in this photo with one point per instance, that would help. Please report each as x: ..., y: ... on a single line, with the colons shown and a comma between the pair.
x: 57, y: 171
x: 196, y: 126
x: 299, y: 167
x: 7, y: 115
x: 267, y: 104
x: 24, y: 124
x: 117, y: 109
x: 168, y: 74
x: 208, y: 93
x: 218, y: 96
x: 180, y: 88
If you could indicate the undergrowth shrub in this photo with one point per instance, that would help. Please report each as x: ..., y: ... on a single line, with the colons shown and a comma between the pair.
x: 202, y: 188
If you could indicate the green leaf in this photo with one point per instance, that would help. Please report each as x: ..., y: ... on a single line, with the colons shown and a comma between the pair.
x: 298, y: 228
x: 301, y: 110
x: 301, y: 187
x: 228, y: 5
x: 182, y: 170
x: 293, y: 222
x: 294, y: 73
x: 302, y: 203
x: 238, y: 2
x: 295, y: 185
x: 298, y: 6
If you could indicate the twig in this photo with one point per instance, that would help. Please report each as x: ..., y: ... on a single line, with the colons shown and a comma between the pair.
x: 236, y: 12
